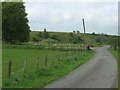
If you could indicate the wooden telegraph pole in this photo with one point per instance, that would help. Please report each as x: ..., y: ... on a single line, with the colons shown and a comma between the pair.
x: 87, y: 47
x: 84, y: 25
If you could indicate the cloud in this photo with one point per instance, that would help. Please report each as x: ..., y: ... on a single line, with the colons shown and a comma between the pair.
x: 70, y: 0
x: 99, y: 17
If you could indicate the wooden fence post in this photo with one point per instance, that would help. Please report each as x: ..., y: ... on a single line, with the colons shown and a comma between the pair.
x: 61, y: 56
x: 59, y: 59
x: 66, y: 50
x: 66, y: 54
x: 52, y: 59
x: 46, y: 59
x: 25, y: 66
x: 9, y: 69
x: 37, y: 62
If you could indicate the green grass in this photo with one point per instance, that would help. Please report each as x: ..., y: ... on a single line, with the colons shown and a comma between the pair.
x: 0, y: 64
x: 33, y: 34
x: 45, y: 74
x: 65, y: 38
x: 115, y: 53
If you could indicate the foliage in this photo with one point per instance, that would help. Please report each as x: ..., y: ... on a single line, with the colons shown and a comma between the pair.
x: 48, y: 41
x: 116, y: 54
x: 113, y: 41
x: 73, y: 31
x: 40, y: 35
x: 101, y: 38
x: 45, y: 74
x: 78, y: 32
x: 93, y: 33
x: 75, y: 38
x: 64, y: 38
x: 35, y: 39
x: 38, y: 38
x: 45, y: 34
x: 14, y: 22
x: 55, y: 37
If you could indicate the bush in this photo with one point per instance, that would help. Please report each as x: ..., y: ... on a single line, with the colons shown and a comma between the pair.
x: 35, y: 39
x: 54, y: 37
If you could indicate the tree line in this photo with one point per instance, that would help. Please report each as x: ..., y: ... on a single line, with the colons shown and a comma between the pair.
x: 15, y: 26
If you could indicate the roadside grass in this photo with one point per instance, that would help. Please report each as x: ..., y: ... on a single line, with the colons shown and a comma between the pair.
x: 0, y: 68
x: 115, y: 53
x: 38, y: 78
x: 0, y: 64
x: 65, y: 37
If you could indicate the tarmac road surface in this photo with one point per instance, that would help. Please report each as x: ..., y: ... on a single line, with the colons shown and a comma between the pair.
x: 99, y: 72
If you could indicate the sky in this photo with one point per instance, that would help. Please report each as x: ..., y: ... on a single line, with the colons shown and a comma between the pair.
x: 66, y: 16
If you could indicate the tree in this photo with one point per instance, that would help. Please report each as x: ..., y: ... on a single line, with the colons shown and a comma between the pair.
x: 93, y: 33
x: 40, y: 35
x: 73, y: 31
x: 78, y: 32
x: 113, y: 40
x: 73, y: 38
x: 98, y: 40
x: 77, y: 39
x: 35, y: 39
x: 15, y: 26
x: 45, y: 34
x: 71, y: 34
x: 54, y: 37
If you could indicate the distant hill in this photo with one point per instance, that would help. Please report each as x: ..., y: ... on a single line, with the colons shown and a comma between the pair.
x: 71, y: 37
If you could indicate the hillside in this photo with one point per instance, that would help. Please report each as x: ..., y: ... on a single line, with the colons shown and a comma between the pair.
x: 71, y: 38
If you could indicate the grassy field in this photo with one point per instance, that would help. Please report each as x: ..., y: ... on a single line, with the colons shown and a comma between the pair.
x: 0, y: 64
x: 0, y: 68
x: 115, y: 53
x: 40, y: 77
x: 65, y: 37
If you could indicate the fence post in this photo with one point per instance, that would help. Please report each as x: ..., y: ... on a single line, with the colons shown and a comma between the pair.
x: 61, y: 56
x: 59, y: 60
x: 9, y: 69
x: 25, y: 66
x: 66, y: 54
x: 52, y: 59
x: 66, y: 49
x: 46, y: 59
x: 37, y: 62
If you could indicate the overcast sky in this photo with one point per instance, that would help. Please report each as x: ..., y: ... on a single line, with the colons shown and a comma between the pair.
x: 100, y: 17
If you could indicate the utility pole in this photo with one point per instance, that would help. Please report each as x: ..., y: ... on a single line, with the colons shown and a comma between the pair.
x: 83, y: 25
x: 87, y: 46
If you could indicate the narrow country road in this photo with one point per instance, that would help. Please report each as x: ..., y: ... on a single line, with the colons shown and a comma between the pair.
x: 99, y: 72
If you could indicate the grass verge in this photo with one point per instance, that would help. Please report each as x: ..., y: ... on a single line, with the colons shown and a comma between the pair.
x: 115, y: 53
x: 38, y: 78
